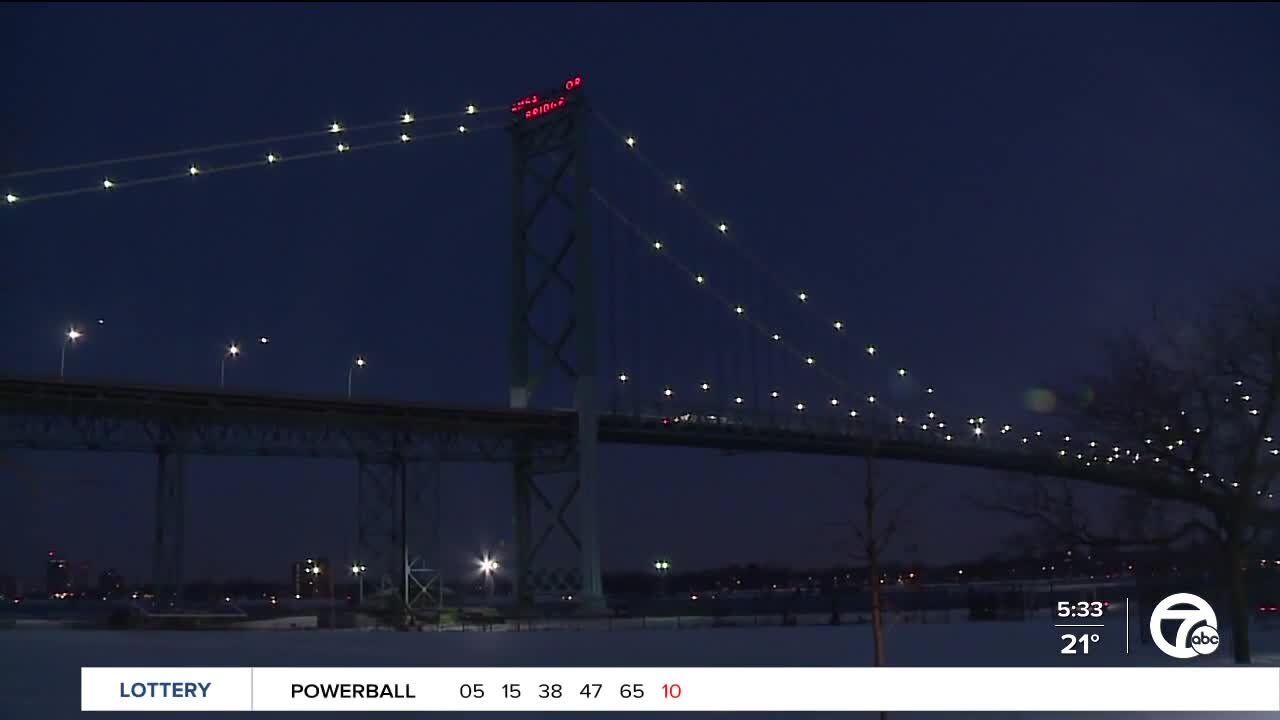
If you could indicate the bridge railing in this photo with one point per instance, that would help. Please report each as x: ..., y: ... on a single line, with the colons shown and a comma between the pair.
x: 872, y: 425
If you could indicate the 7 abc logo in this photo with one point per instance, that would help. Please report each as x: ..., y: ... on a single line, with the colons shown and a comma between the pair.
x: 1197, y: 626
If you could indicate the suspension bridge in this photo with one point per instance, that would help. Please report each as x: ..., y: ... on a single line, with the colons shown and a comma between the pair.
x: 779, y: 372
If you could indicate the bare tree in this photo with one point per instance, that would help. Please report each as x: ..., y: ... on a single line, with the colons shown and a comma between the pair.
x: 881, y: 518
x: 1195, y: 403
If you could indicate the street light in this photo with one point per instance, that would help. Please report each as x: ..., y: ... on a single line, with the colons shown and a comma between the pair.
x: 232, y: 351
x: 662, y: 566
x: 489, y: 567
x: 359, y: 363
x: 359, y: 570
x: 72, y: 335
x: 333, y: 622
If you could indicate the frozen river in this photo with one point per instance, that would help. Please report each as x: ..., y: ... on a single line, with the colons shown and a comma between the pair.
x: 39, y: 669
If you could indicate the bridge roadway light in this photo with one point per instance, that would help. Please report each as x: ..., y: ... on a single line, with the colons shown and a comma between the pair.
x: 360, y: 362
x: 233, y: 350
x: 71, y: 336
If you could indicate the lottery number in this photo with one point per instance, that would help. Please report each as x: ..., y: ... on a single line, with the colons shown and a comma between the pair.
x: 511, y: 690
x: 591, y: 690
x: 632, y: 691
x: 473, y: 690
x: 550, y: 691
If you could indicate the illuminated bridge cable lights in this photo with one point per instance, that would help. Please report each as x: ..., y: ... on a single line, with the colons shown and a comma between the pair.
x: 276, y: 140
x: 679, y: 185
x: 736, y: 308
x: 116, y: 184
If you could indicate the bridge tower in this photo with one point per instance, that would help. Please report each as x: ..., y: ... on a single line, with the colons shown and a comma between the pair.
x: 553, y: 326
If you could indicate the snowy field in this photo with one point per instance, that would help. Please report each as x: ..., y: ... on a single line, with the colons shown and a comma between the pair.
x: 39, y: 669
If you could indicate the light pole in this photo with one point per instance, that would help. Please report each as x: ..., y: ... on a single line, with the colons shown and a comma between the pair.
x: 489, y: 567
x: 662, y: 566
x: 358, y: 570
x: 72, y: 335
x: 315, y: 570
x: 232, y: 351
x: 359, y: 363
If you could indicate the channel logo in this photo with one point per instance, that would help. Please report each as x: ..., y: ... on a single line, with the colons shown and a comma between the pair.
x: 1197, y: 626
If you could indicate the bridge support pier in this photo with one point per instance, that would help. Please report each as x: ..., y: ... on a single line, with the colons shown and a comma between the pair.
x: 553, y: 336
x: 170, y: 528
x: 398, y: 531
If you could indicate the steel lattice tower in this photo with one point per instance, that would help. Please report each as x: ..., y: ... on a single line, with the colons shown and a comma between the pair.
x: 554, y: 342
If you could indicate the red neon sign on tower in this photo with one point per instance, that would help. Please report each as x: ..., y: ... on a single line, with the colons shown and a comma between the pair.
x: 534, y: 106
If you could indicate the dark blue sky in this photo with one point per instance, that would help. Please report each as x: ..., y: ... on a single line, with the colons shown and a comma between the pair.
x: 981, y: 191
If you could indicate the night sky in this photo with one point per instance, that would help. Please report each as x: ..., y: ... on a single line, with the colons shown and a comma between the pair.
x: 981, y: 191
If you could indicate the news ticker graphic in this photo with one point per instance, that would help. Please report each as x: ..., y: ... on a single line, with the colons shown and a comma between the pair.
x: 723, y: 689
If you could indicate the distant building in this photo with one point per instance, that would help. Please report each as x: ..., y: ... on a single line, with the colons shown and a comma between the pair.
x: 8, y: 587
x: 57, y: 575
x: 311, y: 578
x: 110, y: 583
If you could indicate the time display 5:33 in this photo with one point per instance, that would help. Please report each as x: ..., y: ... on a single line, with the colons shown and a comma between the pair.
x: 1081, y: 609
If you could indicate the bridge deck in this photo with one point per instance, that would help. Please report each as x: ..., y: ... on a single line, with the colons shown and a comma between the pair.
x: 75, y: 415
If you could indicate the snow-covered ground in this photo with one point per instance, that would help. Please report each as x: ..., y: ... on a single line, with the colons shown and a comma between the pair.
x: 39, y: 669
